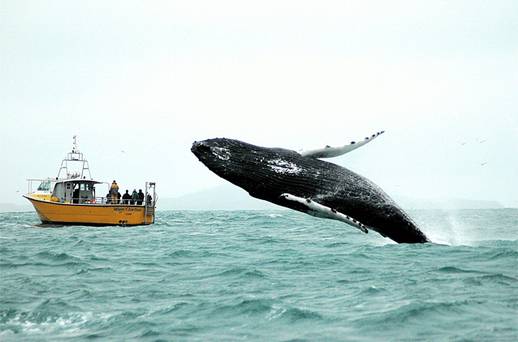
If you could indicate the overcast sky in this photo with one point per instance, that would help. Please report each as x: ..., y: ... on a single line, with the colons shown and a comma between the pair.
x: 150, y: 77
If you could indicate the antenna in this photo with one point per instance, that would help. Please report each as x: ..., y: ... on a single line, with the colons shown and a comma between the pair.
x: 75, y: 147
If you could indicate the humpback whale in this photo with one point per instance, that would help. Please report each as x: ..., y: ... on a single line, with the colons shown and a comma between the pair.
x: 302, y: 181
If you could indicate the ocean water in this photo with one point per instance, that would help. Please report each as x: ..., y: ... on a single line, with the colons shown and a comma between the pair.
x: 260, y: 275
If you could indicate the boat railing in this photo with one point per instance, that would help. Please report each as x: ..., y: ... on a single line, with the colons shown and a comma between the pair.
x: 108, y: 200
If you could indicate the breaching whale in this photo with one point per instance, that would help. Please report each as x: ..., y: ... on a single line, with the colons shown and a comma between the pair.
x: 303, y: 182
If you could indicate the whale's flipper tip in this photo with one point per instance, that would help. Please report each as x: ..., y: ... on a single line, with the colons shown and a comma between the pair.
x: 330, y: 152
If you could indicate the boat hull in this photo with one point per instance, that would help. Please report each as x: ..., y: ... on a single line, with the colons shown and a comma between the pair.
x: 92, y: 214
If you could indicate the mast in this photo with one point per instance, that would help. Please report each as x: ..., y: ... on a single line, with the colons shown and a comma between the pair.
x: 75, y: 156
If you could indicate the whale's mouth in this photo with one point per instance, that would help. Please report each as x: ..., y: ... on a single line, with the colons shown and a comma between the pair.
x: 200, y: 148
x: 210, y: 152
x: 216, y: 154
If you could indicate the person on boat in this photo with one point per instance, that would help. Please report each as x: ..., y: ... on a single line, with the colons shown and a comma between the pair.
x: 118, y: 197
x: 134, y: 197
x: 108, y: 198
x: 149, y: 199
x: 113, y: 191
x: 75, y: 196
x: 126, y: 198
x: 140, y: 197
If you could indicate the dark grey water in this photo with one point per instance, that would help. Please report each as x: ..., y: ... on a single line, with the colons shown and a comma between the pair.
x: 260, y: 275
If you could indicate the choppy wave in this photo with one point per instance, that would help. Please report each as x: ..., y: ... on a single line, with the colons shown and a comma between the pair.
x: 259, y: 275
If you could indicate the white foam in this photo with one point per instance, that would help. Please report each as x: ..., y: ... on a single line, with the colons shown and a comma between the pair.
x: 71, y: 325
x: 274, y: 215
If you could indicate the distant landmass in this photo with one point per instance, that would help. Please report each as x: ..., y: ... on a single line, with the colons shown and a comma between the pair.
x: 448, y: 203
x: 224, y: 197
x: 230, y: 197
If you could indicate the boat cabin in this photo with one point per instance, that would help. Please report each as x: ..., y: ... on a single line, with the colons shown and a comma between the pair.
x: 75, y: 191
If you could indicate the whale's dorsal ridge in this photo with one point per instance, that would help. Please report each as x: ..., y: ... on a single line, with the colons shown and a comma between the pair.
x: 330, y: 152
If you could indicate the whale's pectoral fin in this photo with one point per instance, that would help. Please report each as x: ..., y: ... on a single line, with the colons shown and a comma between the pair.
x: 319, y: 210
x: 330, y: 152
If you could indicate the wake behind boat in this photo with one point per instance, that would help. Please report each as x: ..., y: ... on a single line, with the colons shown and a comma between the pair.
x: 70, y: 198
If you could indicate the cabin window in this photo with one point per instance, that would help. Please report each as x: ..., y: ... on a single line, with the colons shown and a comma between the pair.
x: 85, y: 187
x: 59, y: 191
x: 44, y: 186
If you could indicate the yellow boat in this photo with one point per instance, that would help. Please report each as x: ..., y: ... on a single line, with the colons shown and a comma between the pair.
x: 72, y: 199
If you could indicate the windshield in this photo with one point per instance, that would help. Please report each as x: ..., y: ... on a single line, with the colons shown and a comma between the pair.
x: 44, y: 186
